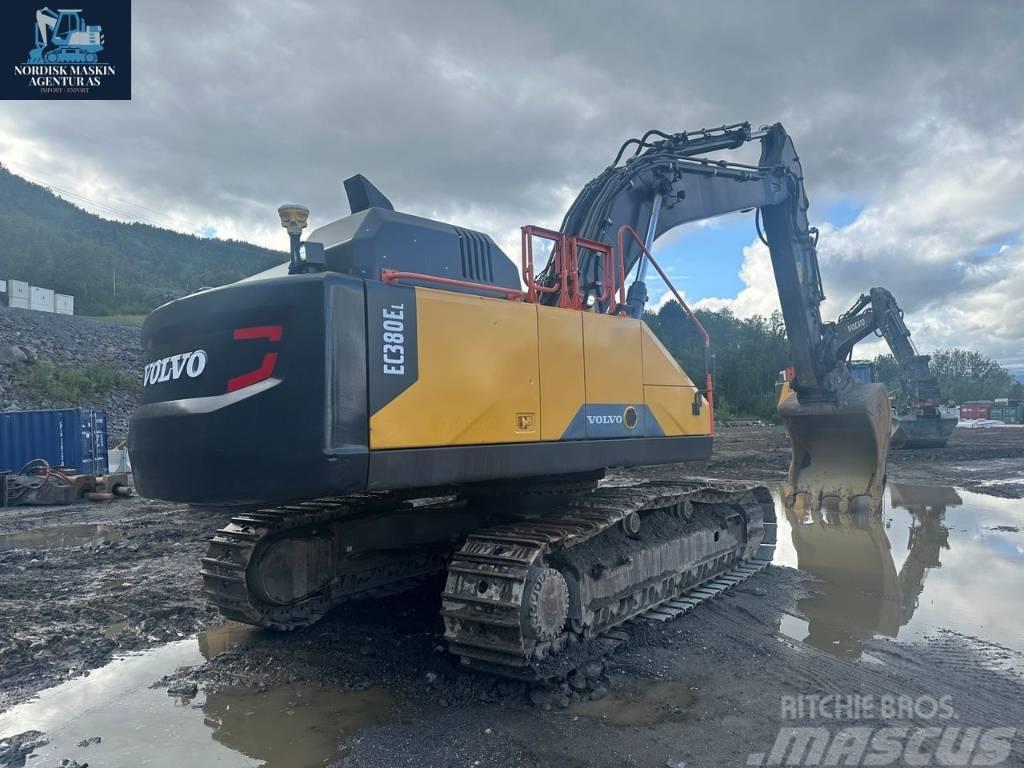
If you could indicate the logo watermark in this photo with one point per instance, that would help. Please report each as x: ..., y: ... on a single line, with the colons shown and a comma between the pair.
x: 75, y: 53
x: 880, y: 731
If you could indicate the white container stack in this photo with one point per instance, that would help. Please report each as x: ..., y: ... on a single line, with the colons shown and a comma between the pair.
x: 18, y: 294
x: 41, y: 299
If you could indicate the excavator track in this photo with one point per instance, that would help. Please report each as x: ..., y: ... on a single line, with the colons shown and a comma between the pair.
x: 230, y: 570
x: 536, y: 598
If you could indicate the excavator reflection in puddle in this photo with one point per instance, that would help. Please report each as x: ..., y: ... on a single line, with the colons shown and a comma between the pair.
x: 859, y: 594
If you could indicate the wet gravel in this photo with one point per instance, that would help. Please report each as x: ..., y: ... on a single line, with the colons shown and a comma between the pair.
x: 71, y: 607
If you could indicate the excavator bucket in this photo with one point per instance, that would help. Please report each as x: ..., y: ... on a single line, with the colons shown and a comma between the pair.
x: 923, y: 431
x: 839, y: 450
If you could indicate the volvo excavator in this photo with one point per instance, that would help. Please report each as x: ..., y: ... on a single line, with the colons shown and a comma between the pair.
x: 918, y: 419
x: 404, y: 402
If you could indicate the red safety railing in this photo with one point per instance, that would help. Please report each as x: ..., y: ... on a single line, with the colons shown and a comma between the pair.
x: 624, y: 230
x: 565, y: 262
x: 394, y: 275
x: 567, y: 284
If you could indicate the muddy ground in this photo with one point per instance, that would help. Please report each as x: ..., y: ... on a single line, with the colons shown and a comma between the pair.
x: 704, y: 690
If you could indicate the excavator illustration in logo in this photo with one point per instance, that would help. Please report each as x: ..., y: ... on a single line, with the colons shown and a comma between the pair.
x: 63, y: 37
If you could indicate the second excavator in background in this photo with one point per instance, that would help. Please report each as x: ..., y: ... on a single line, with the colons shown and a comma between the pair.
x: 918, y: 418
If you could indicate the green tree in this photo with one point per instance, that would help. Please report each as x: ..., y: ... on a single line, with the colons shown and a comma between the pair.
x: 965, y: 375
x: 749, y: 353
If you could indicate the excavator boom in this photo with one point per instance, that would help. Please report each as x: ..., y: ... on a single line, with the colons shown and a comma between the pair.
x: 839, y: 428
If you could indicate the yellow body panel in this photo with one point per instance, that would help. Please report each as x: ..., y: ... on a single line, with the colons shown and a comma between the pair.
x: 660, y: 368
x: 561, y: 369
x: 673, y: 408
x: 614, y: 363
x: 669, y: 392
x: 782, y: 391
x: 497, y: 371
x: 478, y: 376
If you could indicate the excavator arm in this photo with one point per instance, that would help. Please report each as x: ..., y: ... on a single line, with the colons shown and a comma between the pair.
x: 839, y: 428
x: 877, y: 312
x: 671, y: 180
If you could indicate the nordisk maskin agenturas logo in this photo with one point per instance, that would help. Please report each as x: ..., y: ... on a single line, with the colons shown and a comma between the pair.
x: 76, y: 53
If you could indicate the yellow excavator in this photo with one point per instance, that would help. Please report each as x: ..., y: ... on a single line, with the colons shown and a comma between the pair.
x: 405, y: 401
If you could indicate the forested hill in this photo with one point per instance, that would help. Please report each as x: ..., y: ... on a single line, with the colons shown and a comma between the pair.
x: 49, y: 242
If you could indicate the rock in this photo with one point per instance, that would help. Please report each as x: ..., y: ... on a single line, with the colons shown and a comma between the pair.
x: 12, y: 353
x: 90, y: 740
x: 14, y: 749
x: 41, y: 338
x: 183, y: 688
x: 578, y: 681
x: 546, y: 699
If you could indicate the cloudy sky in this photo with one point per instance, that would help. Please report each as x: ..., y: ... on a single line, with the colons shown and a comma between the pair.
x: 909, y: 118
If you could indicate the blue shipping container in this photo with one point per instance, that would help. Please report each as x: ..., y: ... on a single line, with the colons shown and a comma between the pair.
x: 71, y: 437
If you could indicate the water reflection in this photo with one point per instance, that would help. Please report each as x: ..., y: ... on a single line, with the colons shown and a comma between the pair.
x: 292, y: 726
x: 232, y: 726
x: 860, y: 593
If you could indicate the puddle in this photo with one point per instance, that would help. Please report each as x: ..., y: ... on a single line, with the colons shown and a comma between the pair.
x: 647, y: 703
x: 294, y: 726
x: 225, y: 637
x: 61, y: 537
x: 936, y: 557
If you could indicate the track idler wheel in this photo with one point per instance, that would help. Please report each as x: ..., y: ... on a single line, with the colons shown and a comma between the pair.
x: 545, y: 604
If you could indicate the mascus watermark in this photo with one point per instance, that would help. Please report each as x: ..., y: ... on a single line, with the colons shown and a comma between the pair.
x: 941, y: 741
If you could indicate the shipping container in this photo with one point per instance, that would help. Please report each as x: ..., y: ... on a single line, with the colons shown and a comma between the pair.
x: 977, y: 409
x: 40, y: 299
x: 69, y: 437
x: 17, y: 294
x: 1010, y: 414
x: 64, y: 304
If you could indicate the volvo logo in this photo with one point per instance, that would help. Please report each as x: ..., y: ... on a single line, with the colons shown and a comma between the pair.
x: 604, y: 419
x: 192, y: 364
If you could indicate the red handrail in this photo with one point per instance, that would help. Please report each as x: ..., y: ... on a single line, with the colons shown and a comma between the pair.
x: 626, y: 229
x: 394, y: 275
x: 610, y: 280
x: 562, y: 263
x: 565, y: 258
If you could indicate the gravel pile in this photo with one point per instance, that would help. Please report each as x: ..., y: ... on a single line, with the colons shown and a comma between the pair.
x: 29, y: 338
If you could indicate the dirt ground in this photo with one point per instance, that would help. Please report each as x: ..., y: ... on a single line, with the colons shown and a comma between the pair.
x: 704, y: 691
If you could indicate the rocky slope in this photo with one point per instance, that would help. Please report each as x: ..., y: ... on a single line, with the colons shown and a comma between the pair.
x: 36, y: 340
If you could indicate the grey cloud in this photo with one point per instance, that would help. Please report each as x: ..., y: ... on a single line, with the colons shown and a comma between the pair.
x: 494, y: 113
